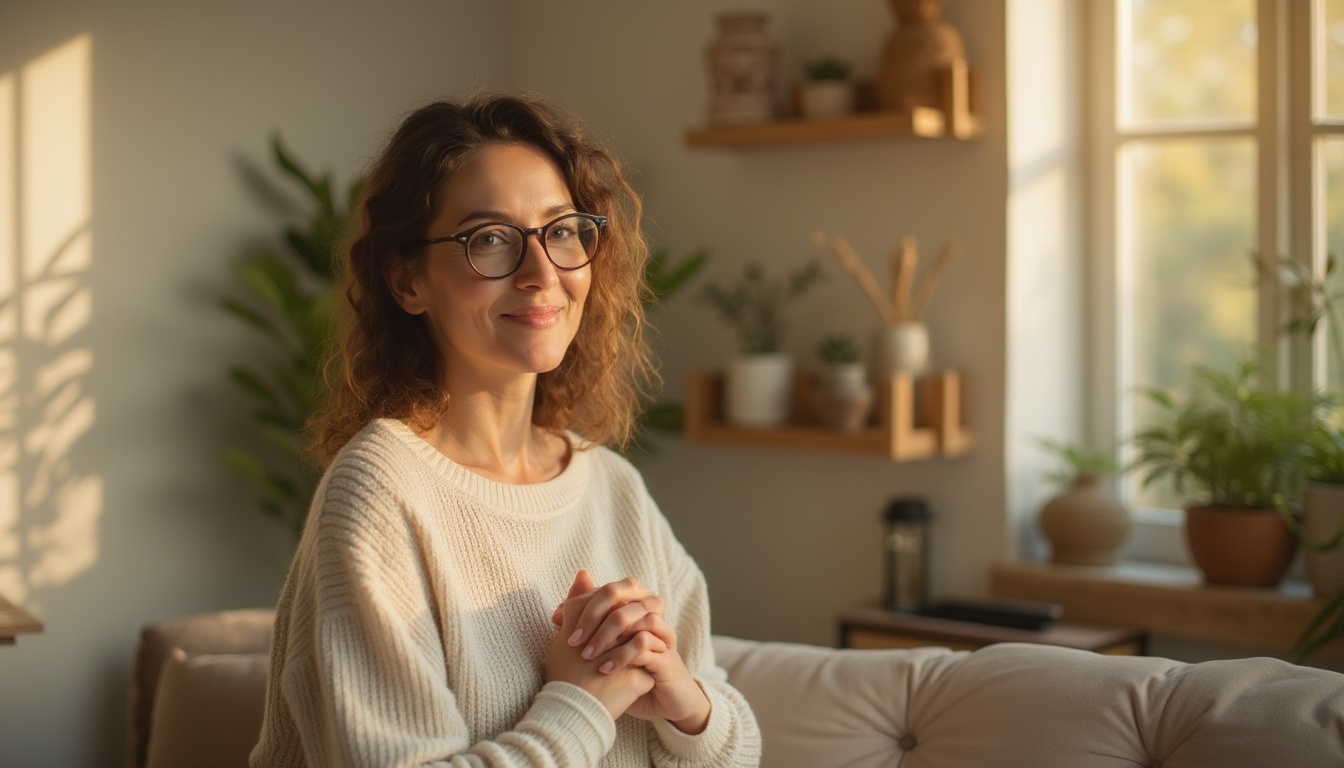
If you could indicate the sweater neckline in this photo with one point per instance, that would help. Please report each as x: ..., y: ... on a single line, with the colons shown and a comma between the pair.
x: 532, y: 501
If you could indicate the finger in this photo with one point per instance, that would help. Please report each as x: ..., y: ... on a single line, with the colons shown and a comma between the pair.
x: 622, y: 624
x: 583, y: 582
x: 643, y: 650
x: 579, y: 590
x: 606, y: 599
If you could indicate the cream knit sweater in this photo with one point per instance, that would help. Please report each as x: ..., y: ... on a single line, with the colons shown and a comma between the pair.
x: 416, y: 615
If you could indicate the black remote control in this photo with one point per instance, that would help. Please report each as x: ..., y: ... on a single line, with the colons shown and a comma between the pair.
x: 1014, y: 614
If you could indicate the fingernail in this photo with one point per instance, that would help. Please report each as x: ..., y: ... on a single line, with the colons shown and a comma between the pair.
x: 576, y: 637
x: 610, y: 665
x: 589, y: 652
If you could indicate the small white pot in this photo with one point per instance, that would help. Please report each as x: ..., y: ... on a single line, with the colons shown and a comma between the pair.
x: 902, y: 348
x: 1322, y: 515
x: 759, y: 390
x: 822, y: 99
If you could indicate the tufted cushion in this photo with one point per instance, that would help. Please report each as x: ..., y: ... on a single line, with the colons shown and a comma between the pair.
x: 1030, y: 705
x: 207, y: 711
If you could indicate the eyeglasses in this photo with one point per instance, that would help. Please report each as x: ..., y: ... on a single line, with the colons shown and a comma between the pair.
x: 496, y: 249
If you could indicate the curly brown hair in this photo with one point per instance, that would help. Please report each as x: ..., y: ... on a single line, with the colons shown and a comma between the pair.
x: 386, y: 364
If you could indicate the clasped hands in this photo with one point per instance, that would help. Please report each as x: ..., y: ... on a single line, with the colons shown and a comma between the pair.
x: 613, y: 643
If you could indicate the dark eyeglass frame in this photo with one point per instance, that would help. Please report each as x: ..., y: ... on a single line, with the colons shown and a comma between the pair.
x: 463, y: 237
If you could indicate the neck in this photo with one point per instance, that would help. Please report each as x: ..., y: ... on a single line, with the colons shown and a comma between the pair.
x: 489, y: 430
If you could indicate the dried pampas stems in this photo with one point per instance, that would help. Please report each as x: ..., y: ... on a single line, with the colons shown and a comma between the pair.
x: 902, y: 305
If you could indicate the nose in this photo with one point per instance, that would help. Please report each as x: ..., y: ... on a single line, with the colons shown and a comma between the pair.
x: 536, y: 271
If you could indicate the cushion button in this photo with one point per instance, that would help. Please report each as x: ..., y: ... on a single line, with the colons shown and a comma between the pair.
x: 907, y: 742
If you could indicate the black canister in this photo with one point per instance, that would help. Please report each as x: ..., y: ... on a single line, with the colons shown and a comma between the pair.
x: 906, y: 551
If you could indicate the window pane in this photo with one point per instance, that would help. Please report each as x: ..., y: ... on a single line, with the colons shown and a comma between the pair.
x: 1330, y: 156
x: 1186, y: 60
x: 1188, y: 233
x: 1330, y: 45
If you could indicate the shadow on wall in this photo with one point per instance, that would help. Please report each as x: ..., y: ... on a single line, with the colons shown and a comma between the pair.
x: 49, y: 506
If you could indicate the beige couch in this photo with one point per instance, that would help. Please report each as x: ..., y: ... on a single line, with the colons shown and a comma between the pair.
x: 1001, y: 707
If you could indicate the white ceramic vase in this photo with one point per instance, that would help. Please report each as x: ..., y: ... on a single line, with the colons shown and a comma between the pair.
x: 902, y: 348
x: 1322, y: 516
x: 759, y: 390
x: 825, y: 99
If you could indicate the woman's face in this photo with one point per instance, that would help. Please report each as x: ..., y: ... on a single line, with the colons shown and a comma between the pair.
x: 490, y: 331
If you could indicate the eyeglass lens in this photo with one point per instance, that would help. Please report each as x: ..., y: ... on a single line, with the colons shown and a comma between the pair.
x: 496, y: 250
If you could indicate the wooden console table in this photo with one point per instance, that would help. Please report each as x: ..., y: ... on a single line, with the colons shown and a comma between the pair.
x: 15, y: 621
x: 875, y: 627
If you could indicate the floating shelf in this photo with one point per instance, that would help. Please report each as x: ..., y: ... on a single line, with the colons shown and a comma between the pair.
x: 915, y: 419
x: 952, y: 119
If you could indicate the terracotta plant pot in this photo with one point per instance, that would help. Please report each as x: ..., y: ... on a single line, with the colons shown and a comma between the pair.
x: 1085, y: 523
x: 1239, y: 547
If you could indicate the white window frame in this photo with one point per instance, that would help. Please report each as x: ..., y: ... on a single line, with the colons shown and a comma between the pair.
x: 1284, y: 133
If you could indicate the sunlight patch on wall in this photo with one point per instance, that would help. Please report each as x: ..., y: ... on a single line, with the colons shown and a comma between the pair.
x: 49, y: 507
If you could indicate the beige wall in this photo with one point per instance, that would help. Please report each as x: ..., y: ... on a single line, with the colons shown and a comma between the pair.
x: 789, y: 538
x: 181, y: 95
x: 181, y: 98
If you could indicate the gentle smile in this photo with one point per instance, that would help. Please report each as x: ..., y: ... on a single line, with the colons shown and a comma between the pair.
x: 543, y: 316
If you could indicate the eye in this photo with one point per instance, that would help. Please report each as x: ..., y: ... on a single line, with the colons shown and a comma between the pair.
x: 493, y: 238
x: 563, y: 231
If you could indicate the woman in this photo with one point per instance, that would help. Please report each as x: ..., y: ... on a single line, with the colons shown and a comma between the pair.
x: 494, y: 291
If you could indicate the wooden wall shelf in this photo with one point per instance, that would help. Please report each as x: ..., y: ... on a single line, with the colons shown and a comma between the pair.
x: 914, y: 419
x: 954, y: 118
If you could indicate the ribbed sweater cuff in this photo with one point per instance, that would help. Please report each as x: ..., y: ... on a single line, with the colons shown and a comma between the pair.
x: 702, y: 747
x: 580, y: 728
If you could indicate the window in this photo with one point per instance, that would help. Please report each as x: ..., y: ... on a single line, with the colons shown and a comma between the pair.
x: 1217, y: 146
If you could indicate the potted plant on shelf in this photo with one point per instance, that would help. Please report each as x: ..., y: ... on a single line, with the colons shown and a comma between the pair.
x: 759, y: 381
x: 827, y: 92
x: 843, y: 399
x: 1085, y: 523
x: 1244, y: 452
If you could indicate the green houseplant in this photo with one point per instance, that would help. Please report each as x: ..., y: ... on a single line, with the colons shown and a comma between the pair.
x: 760, y: 379
x: 1239, y: 452
x: 285, y: 295
x: 1321, y: 530
x: 844, y: 398
x: 1084, y: 521
x: 827, y: 91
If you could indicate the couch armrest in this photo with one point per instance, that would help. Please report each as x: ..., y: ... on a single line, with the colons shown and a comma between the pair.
x: 1032, y: 705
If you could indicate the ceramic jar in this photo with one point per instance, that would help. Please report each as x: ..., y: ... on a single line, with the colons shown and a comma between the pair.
x: 1085, y: 523
x: 843, y: 399
x: 742, y: 64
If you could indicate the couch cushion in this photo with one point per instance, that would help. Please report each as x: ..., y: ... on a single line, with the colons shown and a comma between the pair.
x: 236, y: 631
x: 208, y: 710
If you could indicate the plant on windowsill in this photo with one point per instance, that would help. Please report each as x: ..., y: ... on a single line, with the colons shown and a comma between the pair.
x: 843, y: 399
x: 759, y: 382
x: 1243, y: 452
x: 1321, y: 528
x: 1085, y: 523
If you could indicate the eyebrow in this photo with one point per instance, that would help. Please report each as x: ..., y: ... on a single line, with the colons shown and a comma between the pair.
x: 554, y: 210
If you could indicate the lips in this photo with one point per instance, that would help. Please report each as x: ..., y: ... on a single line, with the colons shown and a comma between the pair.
x: 535, y: 316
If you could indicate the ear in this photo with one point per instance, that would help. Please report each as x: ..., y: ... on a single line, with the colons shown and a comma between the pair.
x: 404, y: 283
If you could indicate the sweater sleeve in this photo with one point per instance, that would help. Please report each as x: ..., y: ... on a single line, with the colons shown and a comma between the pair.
x: 364, y: 669
x: 732, y: 738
